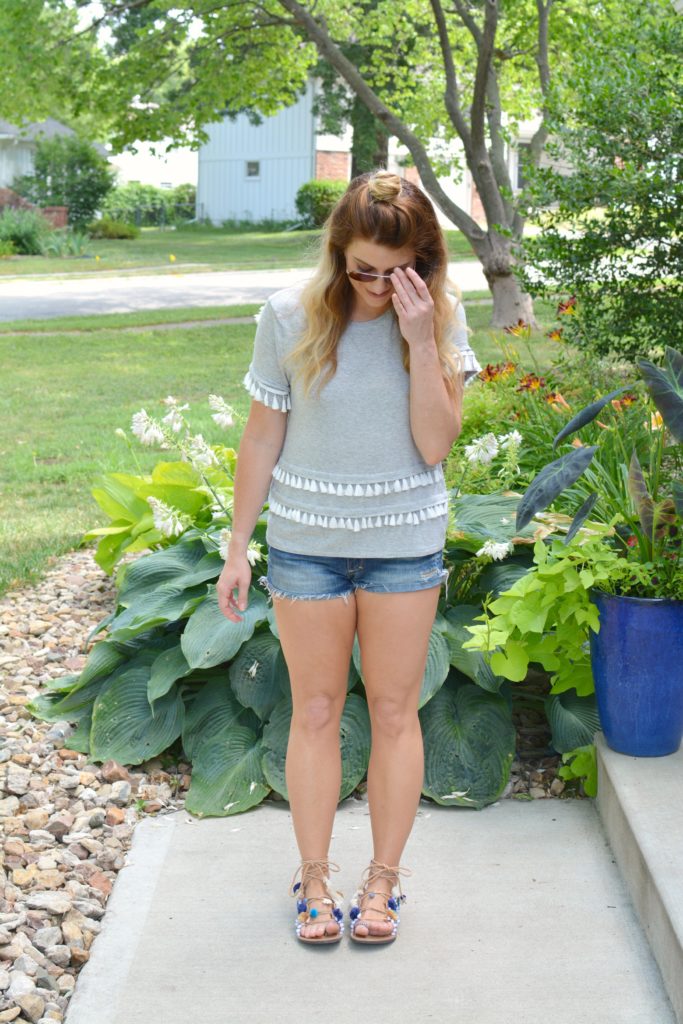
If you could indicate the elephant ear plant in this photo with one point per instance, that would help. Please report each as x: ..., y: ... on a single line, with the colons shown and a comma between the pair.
x: 630, y: 546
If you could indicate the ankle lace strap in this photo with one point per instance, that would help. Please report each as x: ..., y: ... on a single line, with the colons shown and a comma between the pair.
x: 314, y: 869
x: 377, y: 869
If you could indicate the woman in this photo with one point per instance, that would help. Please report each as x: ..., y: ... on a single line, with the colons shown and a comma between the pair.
x: 358, y: 511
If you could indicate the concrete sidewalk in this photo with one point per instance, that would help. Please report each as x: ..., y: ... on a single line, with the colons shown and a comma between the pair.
x: 516, y: 913
x: 22, y: 299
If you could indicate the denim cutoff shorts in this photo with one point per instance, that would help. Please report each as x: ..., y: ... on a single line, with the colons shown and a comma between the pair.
x: 316, y: 577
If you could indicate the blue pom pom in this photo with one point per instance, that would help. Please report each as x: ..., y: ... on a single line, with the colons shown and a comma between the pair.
x: 339, y: 914
x: 297, y: 886
x: 354, y: 912
x: 314, y: 912
x: 301, y: 905
x: 391, y: 902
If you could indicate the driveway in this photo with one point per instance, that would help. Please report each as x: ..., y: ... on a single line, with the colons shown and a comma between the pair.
x: 42, y: 298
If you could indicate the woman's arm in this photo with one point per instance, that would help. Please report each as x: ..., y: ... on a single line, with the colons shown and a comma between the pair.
x: 435, y: 417
x: 259, y: 450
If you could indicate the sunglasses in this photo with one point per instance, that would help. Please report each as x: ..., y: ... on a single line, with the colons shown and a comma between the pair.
x: 364, y: 275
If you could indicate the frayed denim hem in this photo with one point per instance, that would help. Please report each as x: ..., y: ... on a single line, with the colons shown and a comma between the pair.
x: 263, y: 580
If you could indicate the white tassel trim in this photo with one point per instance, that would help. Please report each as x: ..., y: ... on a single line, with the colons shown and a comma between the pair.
x: 357, y: 523
x: 269, y: 396
x: 402, y: 483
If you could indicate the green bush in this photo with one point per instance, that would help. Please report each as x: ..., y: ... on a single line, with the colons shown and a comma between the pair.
x: 26, y: 230
x: 68, y: 172
x: 66, y: 243
x: 315, y: 199
x: 147, y: 205
x: 108, y: 228
x: 6, y: 248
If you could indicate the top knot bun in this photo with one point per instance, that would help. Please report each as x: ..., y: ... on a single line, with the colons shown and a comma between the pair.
x: 384, y: 186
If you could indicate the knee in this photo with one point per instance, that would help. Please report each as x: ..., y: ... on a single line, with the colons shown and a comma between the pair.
x: 316, y: 713
x: 391, y: 717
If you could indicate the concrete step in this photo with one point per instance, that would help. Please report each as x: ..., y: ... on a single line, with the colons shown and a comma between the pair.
x: 640, y: 803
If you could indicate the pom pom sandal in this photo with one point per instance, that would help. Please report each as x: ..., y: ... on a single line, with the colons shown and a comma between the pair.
x: 317, y: 869
x: 375, y: 870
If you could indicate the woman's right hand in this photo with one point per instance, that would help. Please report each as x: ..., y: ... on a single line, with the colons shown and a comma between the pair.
x: 235, y: 574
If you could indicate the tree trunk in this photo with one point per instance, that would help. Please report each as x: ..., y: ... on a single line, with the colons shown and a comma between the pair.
x: 510, y: 302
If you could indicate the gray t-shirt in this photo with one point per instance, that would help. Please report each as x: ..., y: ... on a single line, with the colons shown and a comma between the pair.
x: 350, y: 480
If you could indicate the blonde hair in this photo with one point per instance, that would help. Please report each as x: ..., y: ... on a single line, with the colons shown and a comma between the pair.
x: 381, y: 207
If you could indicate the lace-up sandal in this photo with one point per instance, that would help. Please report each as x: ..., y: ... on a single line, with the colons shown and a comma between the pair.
x: 390, y: 912
x: 312, y: 915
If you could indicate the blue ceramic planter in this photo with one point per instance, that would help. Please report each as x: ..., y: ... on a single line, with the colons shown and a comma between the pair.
x: 637, y: 662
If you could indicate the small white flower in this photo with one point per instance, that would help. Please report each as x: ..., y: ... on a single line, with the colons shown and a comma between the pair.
x: 496, y: 551
x: 514, y: 437
x: 254, y: 552
x: 253, y: 669
x: 174, y: 419
x: 224, y: 414
x: 223, y: 541
x: 482, y: 449
x: 167, y: 519
x: 200, y: 452
x: 146, y: 429
x: 119, y: 432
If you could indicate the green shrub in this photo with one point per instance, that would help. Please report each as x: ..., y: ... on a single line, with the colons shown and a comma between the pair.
x: 25, y: 229
x: 108, y: 228
x: 68, y: 172
x: 6, y: 248
x: 66, y: 243
x: 315, y: 199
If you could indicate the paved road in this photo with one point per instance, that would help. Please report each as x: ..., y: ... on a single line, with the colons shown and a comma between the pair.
x: 26, y: 298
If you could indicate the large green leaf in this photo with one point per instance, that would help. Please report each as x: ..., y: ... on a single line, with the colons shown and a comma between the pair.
x: 551, y: 481
x: 227, y: 777
x: 354, y: 741
x: 469, y: 742
x: 573, y: 720
x: 210, y: 638
x: 167, y: 603
x: 498, y: 577
x: 211, y: 712
x: 168, y: 666
x: 179, y: 565
x: 666, y: 388
x: 471, y: 663
x: 481, y: 517
x: 125, y: 727
x: 116, y: 496
x: 436, y: 668
x: 259, y: 675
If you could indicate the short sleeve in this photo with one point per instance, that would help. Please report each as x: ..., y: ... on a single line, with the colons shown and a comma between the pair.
x: 265, y: 380
x: 471, y: 366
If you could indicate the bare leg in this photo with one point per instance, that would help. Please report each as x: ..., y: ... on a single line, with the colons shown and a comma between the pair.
x: 317, y: 640
x: 393, y: 634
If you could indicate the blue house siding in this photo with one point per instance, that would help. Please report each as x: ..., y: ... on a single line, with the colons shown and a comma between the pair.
x: 284, y: 148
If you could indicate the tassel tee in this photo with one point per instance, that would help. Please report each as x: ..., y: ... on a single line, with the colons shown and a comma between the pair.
x: 349, y: 480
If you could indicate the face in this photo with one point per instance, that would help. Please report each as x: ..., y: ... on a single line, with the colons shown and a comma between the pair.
x: 373, y: 297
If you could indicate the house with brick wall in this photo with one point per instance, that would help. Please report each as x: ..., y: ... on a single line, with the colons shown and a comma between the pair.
x: 253, y: 172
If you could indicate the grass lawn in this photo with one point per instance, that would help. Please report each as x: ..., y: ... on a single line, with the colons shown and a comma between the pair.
x: 210, y: 248
x: 66, y: 394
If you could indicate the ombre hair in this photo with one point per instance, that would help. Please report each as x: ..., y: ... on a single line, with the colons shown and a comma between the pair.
x: 381, y: 207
